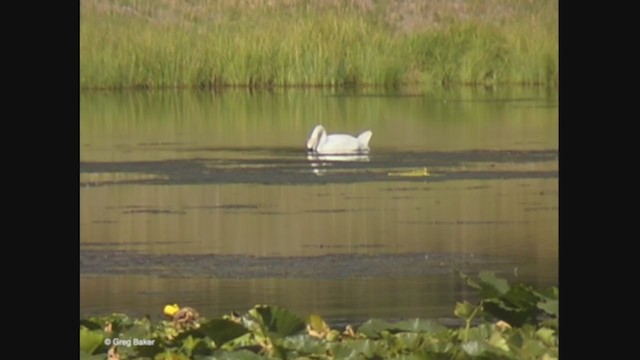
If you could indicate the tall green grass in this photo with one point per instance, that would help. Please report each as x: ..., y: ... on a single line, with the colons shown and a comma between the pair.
x: 156, y: 44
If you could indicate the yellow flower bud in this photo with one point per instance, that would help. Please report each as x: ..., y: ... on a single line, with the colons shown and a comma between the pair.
x: 170, y: 310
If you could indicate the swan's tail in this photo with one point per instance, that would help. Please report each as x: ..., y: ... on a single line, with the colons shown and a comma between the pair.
x: 365, y: 137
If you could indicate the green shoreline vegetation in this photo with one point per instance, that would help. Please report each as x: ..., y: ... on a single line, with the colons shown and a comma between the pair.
x: 289, y: 43
x: 509, y: 322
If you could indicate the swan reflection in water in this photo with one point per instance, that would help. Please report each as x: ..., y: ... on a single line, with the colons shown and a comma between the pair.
x: 321, y: 162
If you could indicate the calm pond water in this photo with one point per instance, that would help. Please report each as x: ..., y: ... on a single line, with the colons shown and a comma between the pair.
x: 208, y: 199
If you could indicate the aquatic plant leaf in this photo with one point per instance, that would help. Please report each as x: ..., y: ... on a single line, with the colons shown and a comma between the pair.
x: 192, y: 346
x: 232, y: 355
x: 145, y: 350
x: 551, y: 307
x: 477, y: 348
x: 440, y: 343
x: 550, y: 323
x: 354, y: 349
x: 521, y: 296
x: 279, y: 321
x: 491, y: 285
x: 220, y: 330
x: 85, y: 356
x: 418, y: 325
x: 140, y: 329
x: 119, y: 322
x: 317, y: 327
x: 464, y: 310
x: 517, y: 306
x: 317, y: 323
x: 516, y: 339
x: 304, y: 344
x: 91, y: 325
x: 513, y: 315
x: 342, y: 351
x: 468, y: 279
x: 368, y: 347
x: 407, y: 357
x: 532, y: 349
x: 551, y: 293
x: 547, y: 336
x: 474, y: 347
x: 481, y: 332
x: 333, y: 335
x: 407, y: 341
x: 170, y: 355
x: 498, y: 341
x: 372, y: 328
x: 243, y: 341
x: 91, y: 340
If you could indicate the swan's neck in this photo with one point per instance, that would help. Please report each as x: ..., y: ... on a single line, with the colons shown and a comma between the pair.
x: 322, y: 136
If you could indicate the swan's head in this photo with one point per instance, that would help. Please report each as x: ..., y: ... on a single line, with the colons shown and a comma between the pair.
x: 310, y: 144
x: 314, y: 138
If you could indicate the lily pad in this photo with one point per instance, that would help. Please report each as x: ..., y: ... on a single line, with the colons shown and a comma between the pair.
x: 91, y: 325
x: 551, y: 307
x: 140, y: 329
x: 304, y: 344
x: 373, y: 328
x: 478, y: 348
x: 464, y: 310
x: 234, y: 355
x: 220, y: 330
x: 278, y: 321
x: 491, y: 285
x: 91, y: 340
x: 170, y: 355
x: 474, y: 347
x: 407, y: 341
x: 317, y: 324
x: 532, y: 349
x: 481, y: 332
x: 85, y: 356
x: 192, y: 346
x: 369, y: 348
x: 547, y: 336
x: 419, y: 325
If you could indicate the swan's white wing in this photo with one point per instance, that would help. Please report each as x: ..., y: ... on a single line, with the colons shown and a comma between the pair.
x: 339, y: 144
x: 364, y: 138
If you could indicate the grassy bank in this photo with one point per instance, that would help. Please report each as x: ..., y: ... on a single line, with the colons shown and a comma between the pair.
x: 167, y: 43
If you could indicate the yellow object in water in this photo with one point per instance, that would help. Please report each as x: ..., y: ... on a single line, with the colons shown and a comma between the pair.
x: 417, y: 172
x: 171, y: 310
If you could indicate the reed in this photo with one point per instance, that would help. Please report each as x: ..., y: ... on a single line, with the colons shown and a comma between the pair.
x: 166, y: 43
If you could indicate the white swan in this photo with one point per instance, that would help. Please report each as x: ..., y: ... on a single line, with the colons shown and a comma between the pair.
x: 321, y: 143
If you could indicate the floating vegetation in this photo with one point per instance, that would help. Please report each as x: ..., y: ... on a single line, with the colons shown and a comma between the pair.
x: 510, y: 322
x: 413, y: 173
x: 110, y: 178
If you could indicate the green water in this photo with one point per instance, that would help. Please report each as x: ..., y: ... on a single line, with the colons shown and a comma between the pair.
x: 181, y: 173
